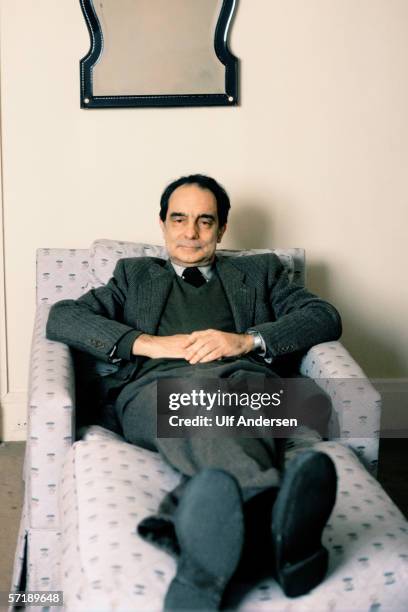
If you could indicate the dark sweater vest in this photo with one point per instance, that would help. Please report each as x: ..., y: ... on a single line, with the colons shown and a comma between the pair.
x: 191, y: 309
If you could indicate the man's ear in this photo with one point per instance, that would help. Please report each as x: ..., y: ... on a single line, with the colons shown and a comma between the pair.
x: 221, y: 232
x: 161, y: 223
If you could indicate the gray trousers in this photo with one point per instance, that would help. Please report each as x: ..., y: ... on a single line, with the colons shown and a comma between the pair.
x: 254, y: 462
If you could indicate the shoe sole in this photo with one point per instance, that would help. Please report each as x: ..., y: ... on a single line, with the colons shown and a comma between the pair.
x: 301, y: 560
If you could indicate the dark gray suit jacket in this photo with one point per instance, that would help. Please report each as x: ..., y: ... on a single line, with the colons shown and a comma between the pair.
x: 290, y: 318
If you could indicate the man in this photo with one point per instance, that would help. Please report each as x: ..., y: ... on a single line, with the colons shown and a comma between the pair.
x: 198, y: 314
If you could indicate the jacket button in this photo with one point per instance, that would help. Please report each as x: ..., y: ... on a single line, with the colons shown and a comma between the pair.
x: 97, y: 343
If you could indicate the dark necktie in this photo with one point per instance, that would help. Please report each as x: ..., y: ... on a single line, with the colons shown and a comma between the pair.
x: 194, y: 277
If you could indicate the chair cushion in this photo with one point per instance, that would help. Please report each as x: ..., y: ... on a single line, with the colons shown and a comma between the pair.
x: 104, y: 255
x: 106, y: 565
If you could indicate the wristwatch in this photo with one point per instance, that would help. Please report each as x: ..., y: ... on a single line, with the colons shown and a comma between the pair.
x: 259, y: 342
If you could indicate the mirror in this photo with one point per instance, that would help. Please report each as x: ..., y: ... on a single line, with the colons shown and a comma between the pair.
x: 158, y: 53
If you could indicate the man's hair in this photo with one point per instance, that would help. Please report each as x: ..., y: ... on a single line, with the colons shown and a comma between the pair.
x: 204, y: 182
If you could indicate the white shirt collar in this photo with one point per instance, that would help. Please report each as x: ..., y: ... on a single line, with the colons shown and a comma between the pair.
x: 206, y: 271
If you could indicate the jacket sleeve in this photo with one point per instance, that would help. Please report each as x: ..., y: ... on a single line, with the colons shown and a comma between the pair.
x: 301, y: 318
x: 93, y: 322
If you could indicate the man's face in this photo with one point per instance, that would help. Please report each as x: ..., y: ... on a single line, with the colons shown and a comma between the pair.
x: 191, y: 229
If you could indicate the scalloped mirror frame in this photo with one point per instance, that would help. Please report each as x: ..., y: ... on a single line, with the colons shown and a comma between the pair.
x: 119, y: 96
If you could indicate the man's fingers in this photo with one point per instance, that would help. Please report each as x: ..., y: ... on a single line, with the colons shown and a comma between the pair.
x: 208, y: 345
x: 196, y: 346
x: 187, y: 342
x: 206, y: 335
x: 197, y: 355
x: 212, y: 356
x: 201, y: 352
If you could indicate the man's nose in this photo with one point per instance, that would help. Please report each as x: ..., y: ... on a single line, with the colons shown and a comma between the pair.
x: 191, y: 230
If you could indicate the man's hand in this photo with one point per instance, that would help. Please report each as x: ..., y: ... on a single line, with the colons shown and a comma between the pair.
x: 211, y: 344
x: 198, y: 347
x: 170, y: 347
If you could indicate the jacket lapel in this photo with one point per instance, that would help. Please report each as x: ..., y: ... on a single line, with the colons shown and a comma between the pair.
x: 152, y: 296
x: 240, y: 297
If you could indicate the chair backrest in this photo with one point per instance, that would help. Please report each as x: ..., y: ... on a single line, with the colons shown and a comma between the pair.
x: 62, y: 274
x: 68, y: 273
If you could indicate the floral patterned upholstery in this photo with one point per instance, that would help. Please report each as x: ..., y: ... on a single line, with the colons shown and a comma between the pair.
x: 52, y: 505
x: 62, y: 274
x: 105, y: 564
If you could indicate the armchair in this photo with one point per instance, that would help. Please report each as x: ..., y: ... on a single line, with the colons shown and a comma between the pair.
x: 86, y: 488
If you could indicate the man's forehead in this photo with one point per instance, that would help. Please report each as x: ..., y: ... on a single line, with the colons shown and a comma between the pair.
x: 192, y: 200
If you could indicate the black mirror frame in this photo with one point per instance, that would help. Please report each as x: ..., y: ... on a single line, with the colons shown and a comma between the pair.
x: 230, y: 98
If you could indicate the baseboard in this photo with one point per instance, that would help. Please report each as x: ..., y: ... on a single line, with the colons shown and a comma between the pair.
x: 13, y: 417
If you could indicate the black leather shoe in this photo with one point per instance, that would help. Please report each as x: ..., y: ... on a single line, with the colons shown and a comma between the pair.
x: 302, y: 508
x: 209, y: 525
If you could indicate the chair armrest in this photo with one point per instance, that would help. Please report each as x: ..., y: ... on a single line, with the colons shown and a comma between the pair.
x: 51, y: 425
x: 356, y: 403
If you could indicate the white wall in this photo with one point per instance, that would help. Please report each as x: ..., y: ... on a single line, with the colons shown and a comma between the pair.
x: 315, y: 156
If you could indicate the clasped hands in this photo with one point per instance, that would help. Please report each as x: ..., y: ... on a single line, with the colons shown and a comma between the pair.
x: 197, y: 347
